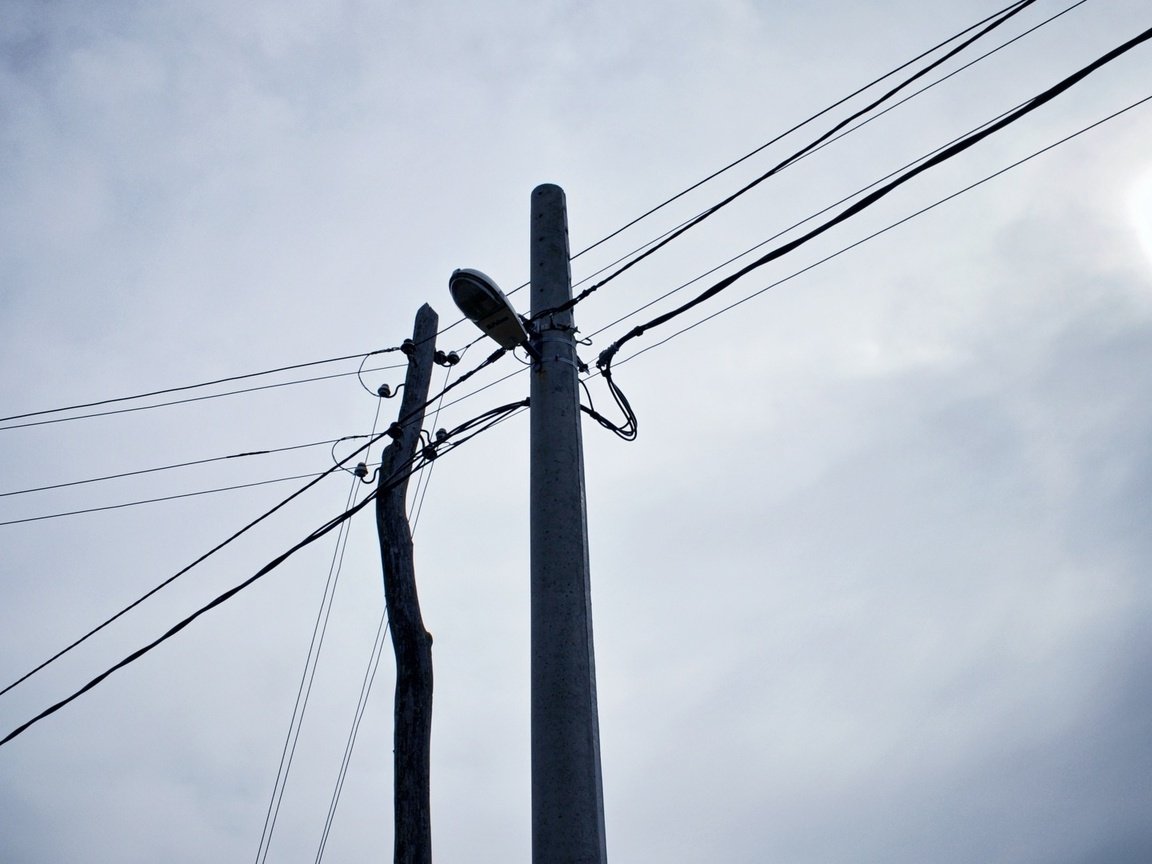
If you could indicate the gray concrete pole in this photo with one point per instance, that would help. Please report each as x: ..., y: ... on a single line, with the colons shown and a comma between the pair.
x: 567, y: 792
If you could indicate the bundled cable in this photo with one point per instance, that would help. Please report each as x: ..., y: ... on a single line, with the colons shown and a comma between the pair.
x: 492, y: 358
x: 630, y: 428
x: 604, y: 362
x: 474, y: 426
x: 997, y: 21
x: 227, y: 595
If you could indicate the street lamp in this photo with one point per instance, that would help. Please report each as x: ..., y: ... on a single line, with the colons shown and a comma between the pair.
x: 484, y: 304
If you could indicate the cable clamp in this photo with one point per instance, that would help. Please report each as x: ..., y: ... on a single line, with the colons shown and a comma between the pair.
x: 552, y: 325
x: 579, y: 367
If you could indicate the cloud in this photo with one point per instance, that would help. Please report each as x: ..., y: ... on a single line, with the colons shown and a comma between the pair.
x: 869, y: 585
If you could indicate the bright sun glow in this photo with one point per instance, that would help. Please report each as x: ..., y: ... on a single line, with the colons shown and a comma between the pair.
x: 1140, y: 204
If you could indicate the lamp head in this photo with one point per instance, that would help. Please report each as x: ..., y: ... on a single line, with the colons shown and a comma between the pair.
x: 484, y: 304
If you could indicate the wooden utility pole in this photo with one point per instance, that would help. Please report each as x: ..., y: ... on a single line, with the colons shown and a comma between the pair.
x: 411, y: 643
x: 567, y: 793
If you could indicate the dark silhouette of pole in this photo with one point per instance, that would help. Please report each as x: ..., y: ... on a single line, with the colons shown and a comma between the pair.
x: 411, y: 643
x: 567, y: 791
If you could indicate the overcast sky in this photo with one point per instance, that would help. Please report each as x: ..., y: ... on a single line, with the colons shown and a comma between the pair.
x: 871, y: 585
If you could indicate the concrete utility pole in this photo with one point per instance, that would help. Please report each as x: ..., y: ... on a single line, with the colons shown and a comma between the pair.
x: 567, y: 791
x: 411, y: 643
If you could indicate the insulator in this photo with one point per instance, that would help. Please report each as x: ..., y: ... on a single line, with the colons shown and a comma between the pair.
x: 429, y: 452
x: 440, y: 358
x: 361, y: 470
x: 441, y: 436
x: 384, y: 391
x: 395, y: 432
x: 453, y: 358
x: 408, y: 347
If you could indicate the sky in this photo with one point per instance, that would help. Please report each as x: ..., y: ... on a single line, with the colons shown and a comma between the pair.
x: 870, y: 585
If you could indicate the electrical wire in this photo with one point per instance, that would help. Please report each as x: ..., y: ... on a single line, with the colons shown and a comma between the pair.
x: 122, y: 505
x: 765, y: 145
x: 171, y: 578
x: 631, y: 425
x: 715, y: 208
x: 864, y: 122
x: 492, y: 358
x: 494, y: 417
x: 178, y: 465
x: 789, y: 131
x: 304, y: 691
x: 364, y: 462
x: 479, y: 390
x: 888, y: 228
x: 350, y: 744
x: 140, y: 652
x: 193, y: 399
x: 483, y: 422
x: 605, y: 360
x: 476, y: 425
x: 426, y: 476
x: 797, y: 224
x: 184, y: 387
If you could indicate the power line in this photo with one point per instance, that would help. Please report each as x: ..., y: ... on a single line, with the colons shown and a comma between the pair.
x: 304, y: 691
x: 800, y: 125
x: 605, y: 360
x: 492, y: 358
x: 797, y: 224
x: 509, y: 411
x: 479, y: 390
x: 477, y: 425
x: 361, y: 705
x: 184, y: 387
x: 864, y: 122
x: 179, y: 573
x: 180, y: 465
x: 135, y: 655
x: 888, y: 228
x: 166, y: 582
x: 1006, y: 10
x: 195, y: 398
x: 158, y: 500
x: 630, y: 417
x: 426, y: 476
x: 715, y: 208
